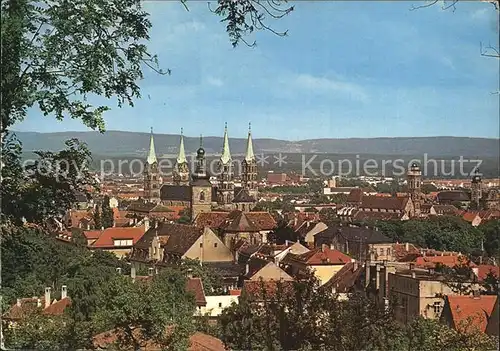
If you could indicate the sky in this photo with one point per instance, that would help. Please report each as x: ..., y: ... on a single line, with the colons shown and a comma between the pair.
x: 346, y: 69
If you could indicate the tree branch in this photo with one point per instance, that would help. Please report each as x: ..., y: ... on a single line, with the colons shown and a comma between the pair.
x: 434, y: 2
x: 487, y: 51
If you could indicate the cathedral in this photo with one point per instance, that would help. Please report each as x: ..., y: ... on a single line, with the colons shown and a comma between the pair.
x: 196, y: 191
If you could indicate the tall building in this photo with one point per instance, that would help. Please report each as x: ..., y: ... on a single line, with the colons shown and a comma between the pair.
x: 414, y: 178
x: 197, y: 192
x: 181, y: 168
x: 225, y: 188
x: 249, y: 168
x: 476, y: 188
x: 152, y: 178
x: 201, y: 188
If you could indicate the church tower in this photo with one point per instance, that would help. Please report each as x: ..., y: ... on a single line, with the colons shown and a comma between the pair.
x: 152, y: 179
x: 414, y: 179
x: 181, y: 168
x: 201, y: 188
x: 476, y: 189
x: 249, y: 168
x: 225, y: 191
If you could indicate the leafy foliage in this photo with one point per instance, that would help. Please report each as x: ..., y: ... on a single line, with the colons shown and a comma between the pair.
x: 107, y: 217
x: 101, y: 298
x: 491, y: 232
x: 243, y: 17
x: 448, y: 233
x: 58, y: 54
x: 306, y: 317
x: 211, y: 278
x: 46, y: 188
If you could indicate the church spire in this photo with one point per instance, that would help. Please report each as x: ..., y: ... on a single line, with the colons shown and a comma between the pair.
x: 249, y: 156
x: 152, y: 154
x: 226, y: 154
x: 181, y: 158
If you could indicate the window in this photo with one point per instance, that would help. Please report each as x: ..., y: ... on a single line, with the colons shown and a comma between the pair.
x: 215, y: 244
x: 122, y: 242
x: 201, y: 244
x: 381, y: 252
x: 436, y: 307
x: 202, y: 196
x: 220, y: 304
x: 388, y: 252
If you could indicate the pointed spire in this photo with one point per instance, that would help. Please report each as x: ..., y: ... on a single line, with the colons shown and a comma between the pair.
x: 201, y: 140
x: 249, y: 156
x: 152, y: 154
x: 226, y: 154
x: 181, y: 158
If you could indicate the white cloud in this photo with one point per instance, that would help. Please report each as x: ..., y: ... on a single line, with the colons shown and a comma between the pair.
x: 326, y: 85
x: 216, y: 82
x: 480, y: 14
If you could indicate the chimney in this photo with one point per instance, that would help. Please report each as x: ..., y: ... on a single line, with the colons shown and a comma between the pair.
x: 146, y: 224
x: 38, y: 302
x: 132, y: 272
x: 64, y: 292
x: 324, y: 247
x: 407, y: 246
x: 367, y: 274
x: 413, y: 274
x: 47, y: 297
x: 118, y: 270
x: 18, y: 303
x: 295, y: 220
x: 355, y: 266
x: 475, y: 270
x: 377, y: 280
x: 150, y: 271
x: 190, y: 273
x: 247, y: 269
x: 476, y: 294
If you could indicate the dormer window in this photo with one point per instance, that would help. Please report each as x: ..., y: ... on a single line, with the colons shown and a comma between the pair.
x: 122, y: 242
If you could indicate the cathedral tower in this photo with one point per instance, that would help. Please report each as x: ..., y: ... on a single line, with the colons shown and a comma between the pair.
x: 249, y: 168
x: 476, y: 189
x: 181, y: 168
x: 225, y: 191
x: 201, y: 188
x: 414, y: 179
x: 152, y: 179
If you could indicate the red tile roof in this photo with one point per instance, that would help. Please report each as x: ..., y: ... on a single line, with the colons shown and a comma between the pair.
x: 195, y: 286
x: 257, y: 290
x: 58, y: 307
x: 388, y: 203
x: 324, y: 256
x: 211, y: 219
x: 345, y: 279
x: 469, y: 216
x: 92, y: 234
x: 469, y: 312
x: 449, y: 260
x: 484, y: 269
x: 106, y: 239
x: 355, y: 195
x: 198, y: 341
x: 402, y: 255
x: 263, y: 220
x: 27, y: 306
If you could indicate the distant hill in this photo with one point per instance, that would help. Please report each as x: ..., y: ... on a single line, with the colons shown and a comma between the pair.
x: 113, y: 143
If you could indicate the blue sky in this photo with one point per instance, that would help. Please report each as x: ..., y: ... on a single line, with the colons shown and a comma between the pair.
x: 346, y: 69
